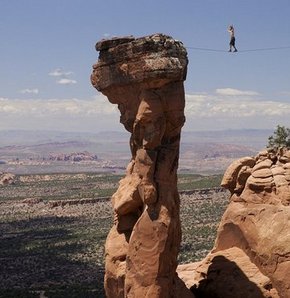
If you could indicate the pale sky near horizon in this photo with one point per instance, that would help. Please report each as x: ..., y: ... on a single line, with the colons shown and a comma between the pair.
x: 47, y: 52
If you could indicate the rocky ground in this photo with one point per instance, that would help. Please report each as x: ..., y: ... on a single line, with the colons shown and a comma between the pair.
x: 59, y: 251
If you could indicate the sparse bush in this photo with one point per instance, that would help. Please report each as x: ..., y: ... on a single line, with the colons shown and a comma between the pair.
x: 280, y: 138
x: 60, y: 251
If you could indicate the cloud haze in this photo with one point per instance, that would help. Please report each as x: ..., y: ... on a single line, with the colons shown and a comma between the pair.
x: 65, y: 81
x: 58, y: 72
x: 63, y: 76
x: 235, y: 92
x: 204, y: 111
x: 231, y: 103
x: 29, y: 91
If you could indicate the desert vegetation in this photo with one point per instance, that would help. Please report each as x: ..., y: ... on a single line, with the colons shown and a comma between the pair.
x: 280, y: 138
x: 58, y: 250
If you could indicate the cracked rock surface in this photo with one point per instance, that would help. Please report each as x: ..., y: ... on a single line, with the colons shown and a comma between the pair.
x: 144, y: 77
x: 251, y: 255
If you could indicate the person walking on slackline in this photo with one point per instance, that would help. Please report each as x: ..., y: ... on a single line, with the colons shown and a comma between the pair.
x: 231, y: 30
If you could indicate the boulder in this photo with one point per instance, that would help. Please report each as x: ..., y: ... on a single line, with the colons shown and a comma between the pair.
x: 227, y: 274
x: 7, y: 178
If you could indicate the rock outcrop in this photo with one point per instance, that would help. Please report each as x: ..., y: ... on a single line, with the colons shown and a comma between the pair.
x: 144, y: 77
x: 7, y: 178
x: 251, y: 256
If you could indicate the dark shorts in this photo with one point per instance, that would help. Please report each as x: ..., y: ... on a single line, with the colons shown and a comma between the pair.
x: 232, y: 41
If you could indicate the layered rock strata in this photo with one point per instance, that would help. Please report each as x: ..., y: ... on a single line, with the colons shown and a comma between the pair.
x: 144, y: 77
x: 251, y: 256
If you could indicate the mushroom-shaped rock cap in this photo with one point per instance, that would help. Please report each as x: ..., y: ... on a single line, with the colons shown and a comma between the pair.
x: 151, y: 61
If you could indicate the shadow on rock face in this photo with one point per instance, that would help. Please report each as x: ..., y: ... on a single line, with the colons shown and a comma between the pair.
x: 226, y: 280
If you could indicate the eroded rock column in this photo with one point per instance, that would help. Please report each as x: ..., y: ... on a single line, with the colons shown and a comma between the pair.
x: 144, y: 76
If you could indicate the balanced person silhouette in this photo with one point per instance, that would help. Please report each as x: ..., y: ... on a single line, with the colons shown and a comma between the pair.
x: 231, y: 30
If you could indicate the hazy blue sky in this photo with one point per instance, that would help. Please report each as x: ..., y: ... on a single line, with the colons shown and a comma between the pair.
x: 47, y: 51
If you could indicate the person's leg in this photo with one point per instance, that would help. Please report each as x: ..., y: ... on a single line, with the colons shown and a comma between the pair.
x: 234, y: 45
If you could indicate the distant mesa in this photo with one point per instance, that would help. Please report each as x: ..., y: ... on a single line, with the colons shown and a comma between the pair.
x: 75, y: 156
